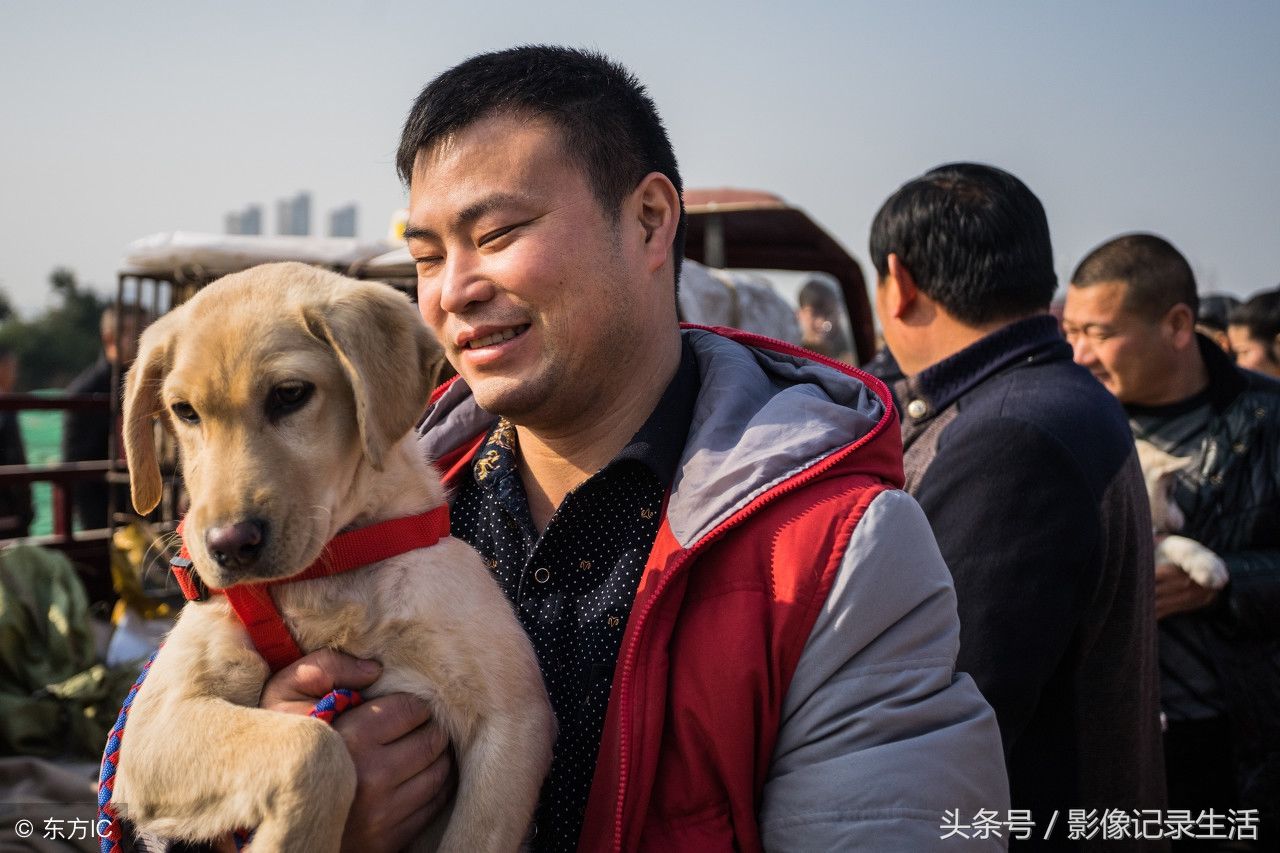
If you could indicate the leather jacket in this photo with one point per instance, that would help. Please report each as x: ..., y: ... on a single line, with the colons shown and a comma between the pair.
x: 1231, y: 500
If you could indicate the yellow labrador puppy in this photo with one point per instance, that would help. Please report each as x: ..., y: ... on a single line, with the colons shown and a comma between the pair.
x: 292, y: 393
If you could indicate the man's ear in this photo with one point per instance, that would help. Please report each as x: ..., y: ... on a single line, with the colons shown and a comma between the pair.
x: 903, y: 292
x: 388, y: 356
x: 655, y: 205
x: 1180, y: 325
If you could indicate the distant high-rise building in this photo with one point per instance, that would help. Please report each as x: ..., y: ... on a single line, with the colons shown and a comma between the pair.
x: 247, y: 221
x: 293, y: 215
x: 342, y: 221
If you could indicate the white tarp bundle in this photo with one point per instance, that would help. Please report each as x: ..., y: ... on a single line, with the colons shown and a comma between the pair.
x: 172, y: 253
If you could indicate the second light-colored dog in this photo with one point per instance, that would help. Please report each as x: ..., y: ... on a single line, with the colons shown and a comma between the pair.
x: 292, y: 393
x: 1160, y: 471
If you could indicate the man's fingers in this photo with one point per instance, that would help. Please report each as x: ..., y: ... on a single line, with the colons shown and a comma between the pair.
x: 316, y: 674
x: 426, y: 791
x: 417, y: 802
x: 326, y: 669
x: 382, y: 720
x: 415, y: 753
x: 403, y: 770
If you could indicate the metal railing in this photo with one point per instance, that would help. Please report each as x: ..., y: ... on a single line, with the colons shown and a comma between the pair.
x: 90, y: 548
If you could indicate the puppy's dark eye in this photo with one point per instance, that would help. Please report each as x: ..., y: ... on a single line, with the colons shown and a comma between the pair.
x: 289, y: 397
x: 184, y: 412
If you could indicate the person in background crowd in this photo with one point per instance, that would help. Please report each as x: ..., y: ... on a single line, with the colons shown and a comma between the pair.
x: 1211, y: 320
x: 86, y: 434
x: 1254, y: 330
x: 1027, y: 472
x: 819, y: 317
x: 16, y: 509
x: 1130, y: 318
x: 746, y: 630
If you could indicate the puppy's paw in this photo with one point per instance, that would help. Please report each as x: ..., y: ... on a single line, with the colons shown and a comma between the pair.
x: 1208, y: 570
x: 1202, y: 565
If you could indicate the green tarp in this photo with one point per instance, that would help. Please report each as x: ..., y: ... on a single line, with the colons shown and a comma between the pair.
x: 55, y: 699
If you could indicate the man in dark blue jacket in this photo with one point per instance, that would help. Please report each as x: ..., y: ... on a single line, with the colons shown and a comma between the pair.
x: 1027, y: 472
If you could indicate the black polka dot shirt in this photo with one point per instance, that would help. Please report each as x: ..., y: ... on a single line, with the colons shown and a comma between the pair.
x: 573, y: 586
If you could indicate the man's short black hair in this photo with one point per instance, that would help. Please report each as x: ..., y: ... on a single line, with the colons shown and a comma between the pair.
x: 975, y: 239
x: 608, y: 122
x: 1214, y: 310
x: 1156, y: 275
x: 1260, y: 314
x: 818, y: 296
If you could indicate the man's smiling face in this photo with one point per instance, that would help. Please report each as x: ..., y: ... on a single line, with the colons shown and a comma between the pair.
x: 1130, y: 354
x: 521, y: 273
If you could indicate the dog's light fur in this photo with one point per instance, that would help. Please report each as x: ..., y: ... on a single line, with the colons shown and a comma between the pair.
x: 199, y: 758
x: 1160, y: 470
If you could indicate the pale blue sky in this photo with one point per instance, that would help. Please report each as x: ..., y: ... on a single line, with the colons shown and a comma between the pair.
x: 124, y: 119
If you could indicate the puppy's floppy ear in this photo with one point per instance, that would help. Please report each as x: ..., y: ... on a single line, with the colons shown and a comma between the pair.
x: 142, y: 406
x: 388, y: 355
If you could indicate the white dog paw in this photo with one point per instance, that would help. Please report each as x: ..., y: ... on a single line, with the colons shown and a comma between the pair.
x: 1202, y: 565
x: 1208, y: 570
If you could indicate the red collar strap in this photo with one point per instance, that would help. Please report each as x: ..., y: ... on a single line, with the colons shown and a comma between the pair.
x: 256, y: 608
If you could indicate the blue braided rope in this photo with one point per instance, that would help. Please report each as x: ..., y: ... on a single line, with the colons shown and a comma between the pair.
x: 108, y: 821
x: 110, y: 833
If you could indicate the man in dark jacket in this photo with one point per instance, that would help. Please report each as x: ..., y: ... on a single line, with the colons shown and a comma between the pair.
x: 1130, y: 316
x: 86, y: 435
x: 1027, y: 473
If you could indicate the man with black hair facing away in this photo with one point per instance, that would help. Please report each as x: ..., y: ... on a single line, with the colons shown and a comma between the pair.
x: 1028, y: 475
x: 746, y: 631
x: 1130, y: 317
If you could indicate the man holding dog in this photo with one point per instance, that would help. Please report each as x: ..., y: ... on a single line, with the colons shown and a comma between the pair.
x: 746, y: 630
x: 1028, y: 475
x: 1130, y: 317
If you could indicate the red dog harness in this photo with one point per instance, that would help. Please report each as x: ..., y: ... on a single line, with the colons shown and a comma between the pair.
x: 253, y: 604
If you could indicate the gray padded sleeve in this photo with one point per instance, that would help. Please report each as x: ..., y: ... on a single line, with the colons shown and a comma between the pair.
x: 880, y: 736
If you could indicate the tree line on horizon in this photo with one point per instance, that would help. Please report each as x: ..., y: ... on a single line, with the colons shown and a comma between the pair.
x: 55, y: 346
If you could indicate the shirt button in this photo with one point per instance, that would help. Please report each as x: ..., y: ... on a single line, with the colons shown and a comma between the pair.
x: 917, y: 408
x: 1239, y: 448
x: 542, y: 575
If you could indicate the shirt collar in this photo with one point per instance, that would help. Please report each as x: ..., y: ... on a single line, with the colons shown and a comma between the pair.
x: 938, y: 386
x: 1226, y: 380
x: 660, y: 441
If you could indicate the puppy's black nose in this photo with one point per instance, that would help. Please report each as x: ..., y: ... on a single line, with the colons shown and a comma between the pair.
x: 236, y: 545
